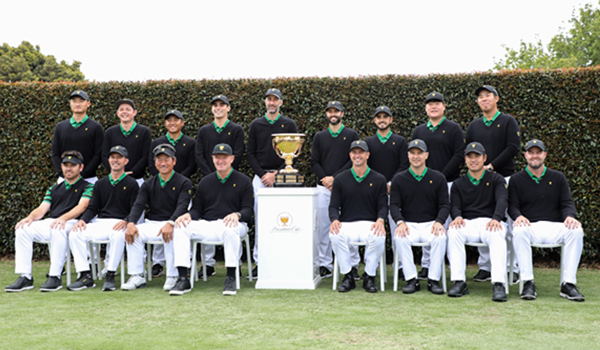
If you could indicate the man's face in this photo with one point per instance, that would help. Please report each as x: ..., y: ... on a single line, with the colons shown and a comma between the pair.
x: 126, y: 113
x: 117, y: 162
x: 222, y: 162
x: 79, y: 105
x: 334, y: 116
x: 71, y: 171
x: 359, y: 157
x: 535, y: 157
x: 164, y: 164
x: 220, y: 109
x: 417, y: 157
x: 487, y: 100
x: 382, y: 120
x: 273, y: 104
x: 475, y: 161
x: 174, y: 124
x: 435, y: 109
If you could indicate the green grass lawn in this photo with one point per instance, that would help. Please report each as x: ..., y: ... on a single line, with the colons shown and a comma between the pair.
x: 291, y: 319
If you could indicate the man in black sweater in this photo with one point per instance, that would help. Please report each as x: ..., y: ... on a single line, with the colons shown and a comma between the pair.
x: 357, y: 211
x: 419, y: 206
x: 262, y: 158
x: 167, y: 196
x: 500, y: 136
x: 80, y: 133
x: 478, y: 203
x: 111, y: 202
x: 221, y: 130
x: 328, y: 158
x: 543, y: 211
x: 221, y: 211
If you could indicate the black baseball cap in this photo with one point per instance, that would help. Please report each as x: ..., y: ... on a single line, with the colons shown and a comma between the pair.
x: 384, y: 109
x: 434, y: 96
x: 418, y: 143
x: 72, y: 159
x: 222, y: 148
x: 535, y: 143
x: 175, y: 113
x: 120, y: 150
x: 125, y: 100
x: 486, y: 87
x: 359, y: 144
x: 335, y: 104
x: 220, y: 98
x: 164, y: 149
x: 79, y: 93
x: 474, y: 147
x: 275, y: 92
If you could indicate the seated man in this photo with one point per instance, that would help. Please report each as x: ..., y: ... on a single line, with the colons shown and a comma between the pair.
x: 111, y: 201
x: 543, y: 210
x: 167, y: 196
x: 478, y: 202
x: 357, y: 210
x: 224, y: 200
x: 63, y: 202
x: 419, y: 206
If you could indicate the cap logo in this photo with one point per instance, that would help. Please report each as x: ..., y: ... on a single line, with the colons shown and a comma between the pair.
x: 473, y: 145
x: 219, y: 96
x: 69, y: 157
x: 432, y: 94
x: 173, y: 111
x: 333, y: 102
x: 416, y: 142
x: 162, y: 149
x: 534, y: 141
x: 173, y: 188
x: 221, y: 147
x: 124, y: 187
x: 272, y: 89
x: 117, y: 147
x: 381, y: 107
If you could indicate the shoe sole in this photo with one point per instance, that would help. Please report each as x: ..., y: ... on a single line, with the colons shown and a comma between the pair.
x: 50, y: 290
x: 229, y: 292
x: 179, y: 292
x: 528, y: 297
x: 500, y: 299
x: 411, y: 291
x: 572, y: 298
x: 458, y: 295
x: 437, y: 292
x: 168, y: 289
x: 158, y: 275
x: 81, y: 288
x: 327, y: 276
x: 112, y: 289
x: 482, y: 280
x: 18, y: 290
x: 137, y: 287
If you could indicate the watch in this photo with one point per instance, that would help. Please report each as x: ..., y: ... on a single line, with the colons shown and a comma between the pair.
x: 239, y: 214
x: 171, y: 222
x: 399, y: 222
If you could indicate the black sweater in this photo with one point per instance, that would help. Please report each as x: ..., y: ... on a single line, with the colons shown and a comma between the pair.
x: 488, y: 199
x: 446, y: 146
x: 87, y: 139
x: 208, y: 138
x: 164, y: 203
x: 330, y: 155
x: 388, y: 158
x: 184, y: 152
x: 419, y: 201
x: 358, y: 201
x: 137, y: 145
x: 261, y: 155
x: 112, y: 202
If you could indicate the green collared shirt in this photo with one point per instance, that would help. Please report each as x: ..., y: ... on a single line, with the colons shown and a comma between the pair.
x: 171, y: 140
x: 336, y: 134
x: 417, y: 177
x: 226, y: 177
x: 384, y: 139
x: 163, y: 182
x: 220, y: 129
x: 490, y: 122
x: 128, y: 132
x: 533, y: 177
x: 68, y: 185
x: 475, y: 181
x: 434, y: 128
x: 360, y: 178
x: 75, y: 124
x: 271, y: 121
x: 114, y: 182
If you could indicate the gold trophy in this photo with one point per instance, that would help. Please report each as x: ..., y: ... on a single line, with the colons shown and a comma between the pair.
x: 288, y: 147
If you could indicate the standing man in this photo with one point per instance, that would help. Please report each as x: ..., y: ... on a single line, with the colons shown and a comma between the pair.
x: 63, y: 202
x: 419, y: 206
x: 500, y: 136
x: 111, y: 202
x: 388, y: 155
x: 357, y: 212
x: 478, y: 203
x: 543, y: 211
x: 79, y: 133
x: 167, y: 196
x: 224, y: 202
x: 221, y: 130
x: 262, y: 158
x: 329, y: 157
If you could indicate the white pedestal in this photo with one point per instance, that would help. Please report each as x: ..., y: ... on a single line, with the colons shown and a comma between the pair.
x: 288, y: 256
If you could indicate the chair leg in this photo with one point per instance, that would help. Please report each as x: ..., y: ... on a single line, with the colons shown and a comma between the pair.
x: 93, y: 259
x: 149, y: 260
x: 382, y: 274
x: 68, y: 266
x: 203, y: 257
x: 562, y: 264
x: 444, y: 275
x: 335, y: 273
x: 194, y: 274
x: 395, y: 267
x: 122, y: 269
x: 237, y: 276
x: 248, y: 256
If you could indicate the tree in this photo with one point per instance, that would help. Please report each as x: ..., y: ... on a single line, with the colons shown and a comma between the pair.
x: 578, y: 47
x: 27, y: 63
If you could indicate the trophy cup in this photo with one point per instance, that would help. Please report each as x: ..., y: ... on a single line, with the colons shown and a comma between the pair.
x: 288, y: 147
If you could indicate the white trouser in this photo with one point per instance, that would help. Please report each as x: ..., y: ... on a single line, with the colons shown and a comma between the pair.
x: 546, y: 232
x: 40, y: 231
x: 325, y: 250
x: 210, y: 231
x: 421, y: 233
x: 474, y: 231
x: 358, y: 231
x: 148, y: 232
x: 91, y: 180
x: 98, y: 229
x: 256, y: 184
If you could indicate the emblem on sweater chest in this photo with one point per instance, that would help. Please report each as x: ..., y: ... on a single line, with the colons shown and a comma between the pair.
x: 173, y: 188
x: 124, y: 188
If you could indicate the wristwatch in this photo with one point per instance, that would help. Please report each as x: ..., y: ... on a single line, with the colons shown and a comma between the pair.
x: 171, y: 222
x: 399, y: 222
x: 239, y: 215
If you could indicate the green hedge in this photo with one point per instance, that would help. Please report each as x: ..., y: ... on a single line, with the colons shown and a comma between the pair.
x: 559, y: 107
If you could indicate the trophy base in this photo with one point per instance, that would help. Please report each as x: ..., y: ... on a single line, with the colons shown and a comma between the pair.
x: 289, y: 180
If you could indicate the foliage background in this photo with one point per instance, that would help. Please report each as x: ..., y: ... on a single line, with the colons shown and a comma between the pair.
x: 559, y: 107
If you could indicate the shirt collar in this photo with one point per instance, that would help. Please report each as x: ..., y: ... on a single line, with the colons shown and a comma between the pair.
x: 163, y: 182
x: 533, y: 177
x: 475, y: 181
x: 490, y: 122
x: 226, y: 177
x: 114, y: 182
x: 336, y: 134
x: 172, y: 141
x: 128, y: 132
x: 384, y: 139
x: 68, y: 185
x: 221, y: 128
x: 417, y: 177
x: 434, y: 128
x: 77, y: 124
x: 360, y: 178
x: 272, y: 121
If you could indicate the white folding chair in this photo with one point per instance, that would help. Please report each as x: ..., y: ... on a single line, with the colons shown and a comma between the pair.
x: 396, y: 266
x: 510, y: 277
x: 97, y: 262
x: 149, y: 257
x: 194, y: 273
x: 382, y: 268
x: 562, y: 257
x: 67, y: 258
